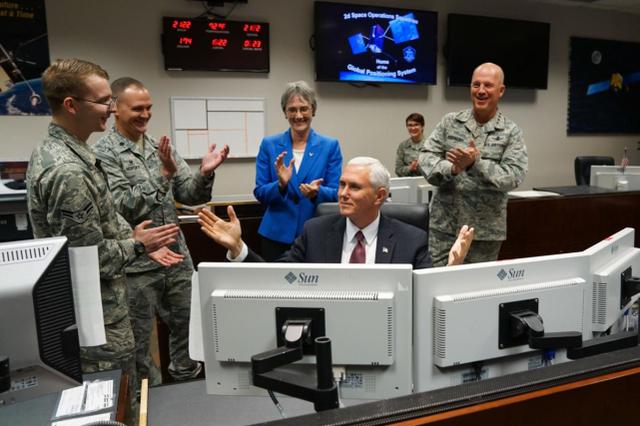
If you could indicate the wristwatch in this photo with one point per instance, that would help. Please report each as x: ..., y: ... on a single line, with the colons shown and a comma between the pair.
x: 138, y: 248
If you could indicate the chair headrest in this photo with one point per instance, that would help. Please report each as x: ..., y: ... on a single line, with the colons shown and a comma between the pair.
x: 415, y: 214
x: 582, y: 166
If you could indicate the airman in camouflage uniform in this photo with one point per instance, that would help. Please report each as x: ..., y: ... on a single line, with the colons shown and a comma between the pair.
x: 409, y: 150
x: 145, y: 189
x: 474, y: 157
x: 68, y: 196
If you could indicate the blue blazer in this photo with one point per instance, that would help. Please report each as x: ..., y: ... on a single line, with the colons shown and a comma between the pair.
x: 286, y: 213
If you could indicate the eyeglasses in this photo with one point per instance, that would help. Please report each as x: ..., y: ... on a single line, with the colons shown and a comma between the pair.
x: 302, y: 110
x: 110, y: 104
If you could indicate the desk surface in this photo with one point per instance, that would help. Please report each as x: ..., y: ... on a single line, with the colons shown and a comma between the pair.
x: 38, y: 411
x: 568, y: 223
x: 188, y: 403
x: 575, y: 190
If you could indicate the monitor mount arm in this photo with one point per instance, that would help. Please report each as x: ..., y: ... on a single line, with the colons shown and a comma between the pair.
x: 529, y: 322
x: 629, y: 286
x: 323, y: 391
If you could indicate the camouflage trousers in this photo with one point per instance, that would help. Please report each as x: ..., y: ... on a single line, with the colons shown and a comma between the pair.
x: 166, y: 291
x: 117, y: 353
x: 480, y: 251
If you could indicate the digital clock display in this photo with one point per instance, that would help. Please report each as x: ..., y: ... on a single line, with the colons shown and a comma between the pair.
x: 202, y: 44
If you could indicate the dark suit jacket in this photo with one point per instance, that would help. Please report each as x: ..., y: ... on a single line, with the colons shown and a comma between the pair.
x: 322, y: 237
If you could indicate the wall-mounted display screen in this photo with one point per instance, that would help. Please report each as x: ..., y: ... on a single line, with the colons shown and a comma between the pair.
x: 521, y: 48
x: 206, y: 45
x: 375, y: 44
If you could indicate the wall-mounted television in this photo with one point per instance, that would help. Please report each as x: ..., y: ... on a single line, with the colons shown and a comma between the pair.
x: 359, y: 43
x: 521, y: 48
x: 207, y: 45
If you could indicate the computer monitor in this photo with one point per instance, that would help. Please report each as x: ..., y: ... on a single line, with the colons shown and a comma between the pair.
x: 411, y: 189
x: 460, y: 313
x: 610, y: 259
x: 366, y: 312
x: 37, y: 318
x: 608, y: 176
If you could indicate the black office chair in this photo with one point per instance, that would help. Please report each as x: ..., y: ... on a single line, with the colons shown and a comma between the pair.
x: 582, y: 166
x: 416, y: 214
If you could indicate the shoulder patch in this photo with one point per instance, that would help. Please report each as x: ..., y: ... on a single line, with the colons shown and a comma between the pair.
x: 79, y: 216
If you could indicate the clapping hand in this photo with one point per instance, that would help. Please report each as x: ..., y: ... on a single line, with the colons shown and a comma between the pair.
x: 212, y: 159
x: 284, y: 172
x: 166, y: 257
x: 155, y: 238
x: 461, y: 246
x: 226, y: 233
x: 463, y: 158
x: 310, y: 190
x: 169, y: 166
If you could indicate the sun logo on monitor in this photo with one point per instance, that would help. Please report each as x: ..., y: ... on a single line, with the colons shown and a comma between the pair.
x: 290, y: 277
x: 502, y: 274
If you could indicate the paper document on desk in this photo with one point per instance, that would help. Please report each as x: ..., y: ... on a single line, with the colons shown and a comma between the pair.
x: 90, y: 396
x: 85, y: 420
x: 196, y: 349
x: 533, y: 194
x: 85, y: 279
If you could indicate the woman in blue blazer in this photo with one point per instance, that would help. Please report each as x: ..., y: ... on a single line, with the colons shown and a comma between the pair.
x: 295, y: 171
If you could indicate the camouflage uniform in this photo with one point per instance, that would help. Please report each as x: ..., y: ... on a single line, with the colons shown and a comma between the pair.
x: 406, y: 153
x: 141, y: 192
x: 68, y: 195
x: 478, y: 196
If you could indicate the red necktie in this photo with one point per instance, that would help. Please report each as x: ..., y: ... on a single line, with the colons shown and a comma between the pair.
x: 358, y: 255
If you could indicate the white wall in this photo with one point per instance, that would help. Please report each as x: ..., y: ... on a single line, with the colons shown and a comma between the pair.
x: 124, y: 37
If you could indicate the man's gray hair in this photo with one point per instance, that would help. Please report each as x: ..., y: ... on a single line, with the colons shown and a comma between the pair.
x: 302, y: 89
x: 378, y: 174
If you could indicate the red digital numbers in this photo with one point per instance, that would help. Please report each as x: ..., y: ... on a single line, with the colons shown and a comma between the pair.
x: 253, y: 44
x: 251, y: 28
x: 217, y: 26
x: 185, y: 41
x: 180, y: 25
x: 219, y: 42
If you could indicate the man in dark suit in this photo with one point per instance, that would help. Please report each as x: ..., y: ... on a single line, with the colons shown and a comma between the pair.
x: 359, y: 234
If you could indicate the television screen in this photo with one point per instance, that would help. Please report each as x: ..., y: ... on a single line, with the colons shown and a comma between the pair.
x: 206, y: 45
x: 521, y: 48
x: 375, y: 44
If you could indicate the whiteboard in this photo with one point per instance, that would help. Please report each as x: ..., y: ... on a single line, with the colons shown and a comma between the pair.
x: 197, y: 123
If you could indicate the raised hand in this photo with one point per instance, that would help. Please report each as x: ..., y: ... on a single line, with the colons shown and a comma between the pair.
x: 284, y: 172
x: 155, y: 238
x: 461, y: 246
x: 310, y: 190
x: 226, y: 233
x: 212, y: 159
x: 169, y: 166
x: 166, y: 257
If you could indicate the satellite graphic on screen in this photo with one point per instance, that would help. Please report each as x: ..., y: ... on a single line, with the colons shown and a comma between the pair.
x: 386, y: 64
x: 604, y: 86
x: 371, y: 44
